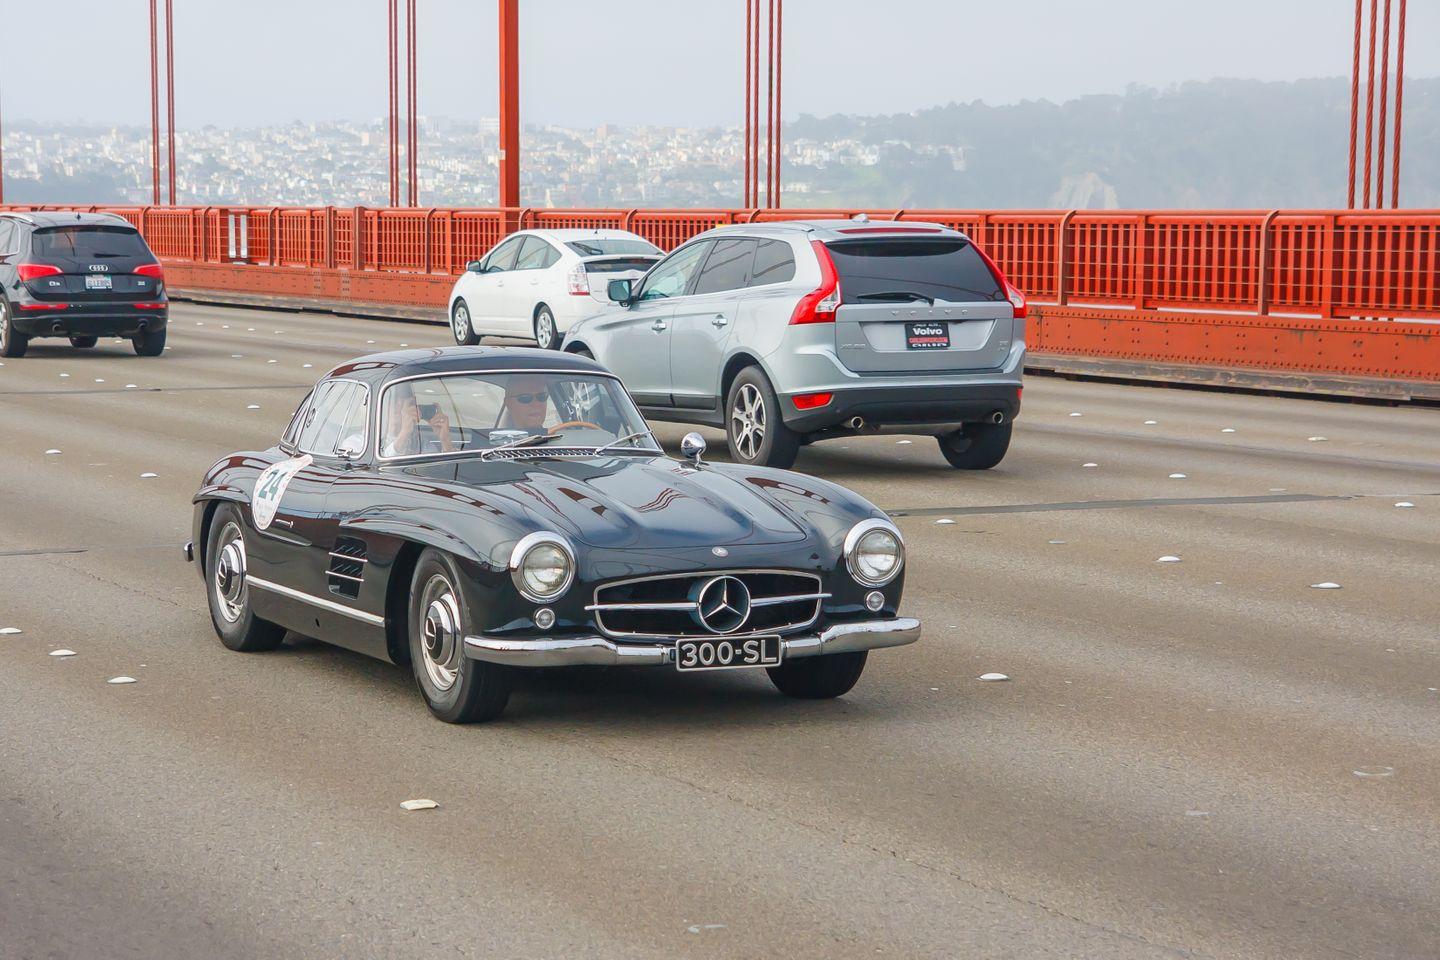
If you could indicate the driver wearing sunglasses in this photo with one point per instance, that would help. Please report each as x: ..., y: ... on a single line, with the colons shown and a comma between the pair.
x: 527, y: 403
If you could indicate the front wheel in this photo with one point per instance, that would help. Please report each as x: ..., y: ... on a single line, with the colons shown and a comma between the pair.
x: 149, y: 343
x: 754, y: 429
x: 977, y: 446
x: 546, y: 336
x: 227, y: 590
x: 456, y: 688
x: 818, y: 678
x: 83, y: 343
x: 461, y: 326
x: 12, y: 341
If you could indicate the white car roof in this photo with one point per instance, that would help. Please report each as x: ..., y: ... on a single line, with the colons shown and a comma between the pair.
x: 580, y: 234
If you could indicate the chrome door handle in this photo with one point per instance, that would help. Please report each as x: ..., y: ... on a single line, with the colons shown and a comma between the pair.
x: 719, y: 321
x: 658, y: 326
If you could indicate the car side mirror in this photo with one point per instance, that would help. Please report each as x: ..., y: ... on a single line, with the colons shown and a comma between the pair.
x: 692, y: 446
x: 619, y: 291
x: 474, y: 266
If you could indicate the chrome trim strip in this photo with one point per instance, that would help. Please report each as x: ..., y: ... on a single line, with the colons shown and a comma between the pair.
x: 598, y: 651
x: 320, y: 602
x: 679, y: 605
x: 346, y: 556
x: 345, y: 576
x: 517, y: 556
x: 792, y: 598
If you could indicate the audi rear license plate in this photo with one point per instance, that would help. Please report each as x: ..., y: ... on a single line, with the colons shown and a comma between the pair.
x: 93, y: 282
x: 927, y: 336
x: 723, y: 653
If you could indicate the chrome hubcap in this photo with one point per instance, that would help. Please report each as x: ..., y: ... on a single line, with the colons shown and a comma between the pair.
x: 747, y: 421
x: 440, y: 639
x: 4, y: 323
x: 462, y: 322
x: 230, y: 573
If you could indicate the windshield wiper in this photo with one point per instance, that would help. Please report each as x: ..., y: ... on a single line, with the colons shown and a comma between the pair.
x: 896, y: 296
x: 625, y: 439
x: 530, y: 441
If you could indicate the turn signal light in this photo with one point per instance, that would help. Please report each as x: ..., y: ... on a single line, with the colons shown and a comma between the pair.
x: 820, y: 304
x: 151, y: 270
x: 809, y: 401
x: 34, y: 271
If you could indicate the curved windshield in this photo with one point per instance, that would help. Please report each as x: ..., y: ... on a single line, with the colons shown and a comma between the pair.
x: 474, y: 412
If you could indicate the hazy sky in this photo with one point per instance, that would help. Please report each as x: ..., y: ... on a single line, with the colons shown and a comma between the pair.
x: 659, y: 62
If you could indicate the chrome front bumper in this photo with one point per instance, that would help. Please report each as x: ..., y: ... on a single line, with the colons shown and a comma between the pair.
x: 599, y: 651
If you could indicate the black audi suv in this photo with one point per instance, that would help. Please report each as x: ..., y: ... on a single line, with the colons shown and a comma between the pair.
x: 78, y: 275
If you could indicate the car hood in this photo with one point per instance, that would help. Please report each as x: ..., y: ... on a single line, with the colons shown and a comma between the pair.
x: 625, y: 501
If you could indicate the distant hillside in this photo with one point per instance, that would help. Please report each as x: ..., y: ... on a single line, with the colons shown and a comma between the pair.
x: 1222, y: 143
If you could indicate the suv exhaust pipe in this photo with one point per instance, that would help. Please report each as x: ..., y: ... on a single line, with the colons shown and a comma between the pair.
x: 855, y: 423
x: 997, y: 417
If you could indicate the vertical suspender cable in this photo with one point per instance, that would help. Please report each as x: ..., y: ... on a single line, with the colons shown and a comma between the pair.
x: 170, y: 92
x: 154, y: 107
x: 755, y: 112
x: 745, y: 173
x: 412, y: 99
x: 2, y: 144
x: 779, y: 87
x: 1399, y: 101
x: 1384, y: 101
x: 1354, y: 106
x: 1370, y: 102
x: 392, y: 127
x: 770, y: 105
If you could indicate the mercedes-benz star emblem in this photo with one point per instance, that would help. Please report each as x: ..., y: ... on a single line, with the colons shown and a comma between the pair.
x: 722, y: 605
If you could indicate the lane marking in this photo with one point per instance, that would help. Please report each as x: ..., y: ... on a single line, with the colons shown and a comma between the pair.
x: 1117, y: 504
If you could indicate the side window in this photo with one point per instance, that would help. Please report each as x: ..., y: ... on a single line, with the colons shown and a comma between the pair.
x: 293, y: 430
x: 536, y: 255
x: 671, y: 278
x: 774, y: 263
x: 7, y: 237
x: 727, y: 267
x: 332, y: 410
x: 503, y: 256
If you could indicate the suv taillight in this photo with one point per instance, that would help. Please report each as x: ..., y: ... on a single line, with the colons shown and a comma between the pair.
x: 34, y: 271
x: 1012, y: 293
x: 151, y: 270
x: 577, y: 282
x: 820, y: 304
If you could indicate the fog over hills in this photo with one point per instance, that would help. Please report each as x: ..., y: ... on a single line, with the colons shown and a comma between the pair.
x: 1217, y: 144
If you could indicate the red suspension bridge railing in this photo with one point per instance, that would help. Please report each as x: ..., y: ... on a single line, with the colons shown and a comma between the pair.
x: 1291, y: 291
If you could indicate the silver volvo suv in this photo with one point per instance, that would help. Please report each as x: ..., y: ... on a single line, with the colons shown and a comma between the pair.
x: 786, y: 333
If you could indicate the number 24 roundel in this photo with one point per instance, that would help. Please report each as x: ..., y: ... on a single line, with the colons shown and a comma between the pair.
x: 271, y: 487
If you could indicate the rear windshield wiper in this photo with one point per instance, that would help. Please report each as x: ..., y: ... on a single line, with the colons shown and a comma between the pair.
x: 896, y: 296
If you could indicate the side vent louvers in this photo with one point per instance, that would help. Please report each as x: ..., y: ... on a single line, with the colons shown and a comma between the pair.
x: 347, y: 567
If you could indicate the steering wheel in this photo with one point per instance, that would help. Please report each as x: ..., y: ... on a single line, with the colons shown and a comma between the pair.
x: 573, y: 423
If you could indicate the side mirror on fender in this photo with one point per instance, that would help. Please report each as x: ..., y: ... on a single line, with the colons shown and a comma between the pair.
x: 692, y: 447
x: 619, y: 291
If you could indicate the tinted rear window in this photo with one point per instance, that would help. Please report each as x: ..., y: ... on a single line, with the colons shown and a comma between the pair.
x: 889, y: 270
x: 604, y: 247
x: 89, y: 243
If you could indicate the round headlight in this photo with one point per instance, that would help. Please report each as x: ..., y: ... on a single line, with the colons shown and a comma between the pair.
x: 873, y: 552
x: 542, y: 566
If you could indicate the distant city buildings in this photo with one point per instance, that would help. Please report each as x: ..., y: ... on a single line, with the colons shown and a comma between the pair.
x: 345, y: 164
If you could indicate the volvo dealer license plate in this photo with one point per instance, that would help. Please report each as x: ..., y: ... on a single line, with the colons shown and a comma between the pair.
x: 927, y: 336
x: 722, y: 653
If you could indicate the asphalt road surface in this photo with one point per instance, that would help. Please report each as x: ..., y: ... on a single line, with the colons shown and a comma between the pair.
x: 1206, y: 758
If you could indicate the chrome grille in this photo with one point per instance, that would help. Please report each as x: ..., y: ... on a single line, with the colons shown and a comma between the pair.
x: 666, y: 606
x: 537, y: 452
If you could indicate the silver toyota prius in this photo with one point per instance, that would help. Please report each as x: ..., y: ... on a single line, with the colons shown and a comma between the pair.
x: 790, y: 332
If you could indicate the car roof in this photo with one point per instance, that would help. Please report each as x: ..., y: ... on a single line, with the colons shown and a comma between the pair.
x: 832, y: 229
x: 378, y: 369
x: 575, y: 233
x: 66, y: 218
